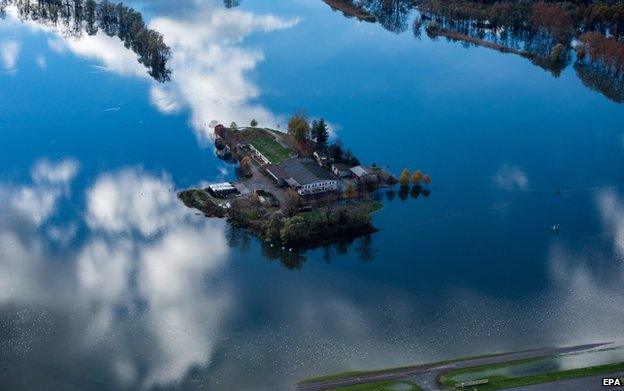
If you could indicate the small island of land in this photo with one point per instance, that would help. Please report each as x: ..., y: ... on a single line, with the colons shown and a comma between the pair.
x: 296, y: 190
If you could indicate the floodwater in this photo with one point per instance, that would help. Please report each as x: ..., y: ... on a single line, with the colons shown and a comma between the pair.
x: 108, y: 282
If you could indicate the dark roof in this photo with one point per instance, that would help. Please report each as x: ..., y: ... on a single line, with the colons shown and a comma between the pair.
x: 276, y: 170
x: 305, y: 171
x: 341, y: 166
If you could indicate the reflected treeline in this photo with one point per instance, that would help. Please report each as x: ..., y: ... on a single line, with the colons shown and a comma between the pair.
x: 76, y: 17
x: 231, y: 3
x: 542, y: 31
x: 600, y: 64
x: 362, y: 247
x: 541, y: 35
x: 550, y: 34
x: 351, y: 10
x: 392, y: 15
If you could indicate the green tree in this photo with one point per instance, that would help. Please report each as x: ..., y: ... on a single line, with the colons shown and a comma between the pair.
x: 233, y: 126
x: 314, y: 130
x: 320, y: 133
x: 253, y: 123
x: 299, y: 127
x: 274, y: 227
x: 295, y: 230
x: 336, y: 152
x: 404, y: 179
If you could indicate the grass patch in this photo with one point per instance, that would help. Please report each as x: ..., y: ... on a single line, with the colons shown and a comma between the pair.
x: 382, y: 386
x: 267, y: 145
x: 201, y: 200
x: 313, y: 217
x: 503, y: 382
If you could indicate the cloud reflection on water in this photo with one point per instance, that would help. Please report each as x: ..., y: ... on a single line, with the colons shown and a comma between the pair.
x: 209, y: 62
x: 141, y: 254
x: 9, y: 53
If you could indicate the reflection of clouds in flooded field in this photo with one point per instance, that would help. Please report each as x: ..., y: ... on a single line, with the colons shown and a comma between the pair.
x: 143, y: 260
x: 611, y: 208
x: 209, y: 65
x: 511, y: 177
x: 586, y: 297
x: 109, y: 51
x: 38, y: 201
x: 9, y: 53
x: 586, y: 300
x: 208, y: 61
x: 130, y: 200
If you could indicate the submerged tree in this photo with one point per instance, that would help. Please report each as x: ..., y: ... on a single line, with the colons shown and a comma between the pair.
x: 417, y: 176
x: 404, y: 179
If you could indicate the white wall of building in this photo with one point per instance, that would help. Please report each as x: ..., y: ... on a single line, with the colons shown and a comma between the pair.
x: 318, y: 187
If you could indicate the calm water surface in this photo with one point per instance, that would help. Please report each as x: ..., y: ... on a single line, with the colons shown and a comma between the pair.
x: 106, y: 281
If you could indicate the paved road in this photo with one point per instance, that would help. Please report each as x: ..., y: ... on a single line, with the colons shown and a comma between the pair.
x: 426, y: 375
x: 589, y: 383
x: 259, y: 181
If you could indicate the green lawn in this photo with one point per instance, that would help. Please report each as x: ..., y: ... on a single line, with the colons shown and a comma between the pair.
x: 503, y: 382
x: 267, y: 145
x: 382, y: 386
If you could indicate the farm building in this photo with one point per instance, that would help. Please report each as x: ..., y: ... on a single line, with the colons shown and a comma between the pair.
x: 303, y: 175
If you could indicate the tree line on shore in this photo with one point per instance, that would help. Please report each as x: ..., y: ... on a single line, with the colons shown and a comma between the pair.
x: 76, y: 17
x: 313, y: 136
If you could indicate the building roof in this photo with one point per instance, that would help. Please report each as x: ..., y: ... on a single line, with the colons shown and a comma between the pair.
x: 360, y: 171
x: 297, y: 171
x: 225, y: 186
x: 341, y: 166
x: 276, y: 170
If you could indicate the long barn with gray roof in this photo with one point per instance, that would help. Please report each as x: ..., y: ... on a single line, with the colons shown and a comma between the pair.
x: 303, y: 175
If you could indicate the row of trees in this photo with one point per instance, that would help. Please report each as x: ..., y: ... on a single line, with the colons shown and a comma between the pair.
x: 297, y: 229
x: 417, y: 178
x: 314, y: 137
x: 75, y: 17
